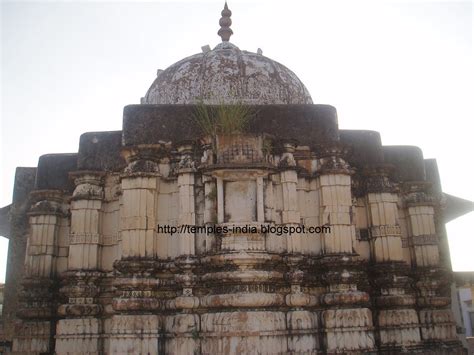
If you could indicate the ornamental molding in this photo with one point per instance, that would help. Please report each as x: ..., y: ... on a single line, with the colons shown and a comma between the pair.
x: 385, y: 231
x: 425, y: 239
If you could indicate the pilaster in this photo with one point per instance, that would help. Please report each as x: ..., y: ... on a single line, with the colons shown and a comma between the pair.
x: 135, y: 326
x: 35, y: 332
x: 81, y: 327
x: 334, y: 181
x: 437, y: 324
x: 290, y: 215
x: 347, y: 320
x: 187, y: 215
x: 397, y: 320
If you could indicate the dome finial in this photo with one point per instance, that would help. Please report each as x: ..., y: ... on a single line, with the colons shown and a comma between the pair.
x: 225, y: 32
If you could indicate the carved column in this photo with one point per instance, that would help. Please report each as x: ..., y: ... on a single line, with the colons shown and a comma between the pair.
x: 138, y: 222
x: 38, y: 295
x: 187, y: 215
x: 347, y: 321
x: 334, y: 180
x: 397, y: 320
x: 182, y: 328
x: 210, y: 209
x: 302, y: 320
x: 432, y: 280
x: 290, y: 215
x: 81, y: 329
x: 135, y: 324
x: 242, y: 287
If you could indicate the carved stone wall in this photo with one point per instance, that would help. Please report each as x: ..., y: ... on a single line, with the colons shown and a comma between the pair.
x: 103, y: 274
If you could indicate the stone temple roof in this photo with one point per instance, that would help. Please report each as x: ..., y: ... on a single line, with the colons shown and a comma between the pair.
x: 226, y: 75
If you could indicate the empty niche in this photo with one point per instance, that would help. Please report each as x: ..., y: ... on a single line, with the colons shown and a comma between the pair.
x: 240, y: 201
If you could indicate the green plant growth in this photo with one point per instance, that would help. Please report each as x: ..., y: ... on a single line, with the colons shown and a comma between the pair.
x: 222, y: 119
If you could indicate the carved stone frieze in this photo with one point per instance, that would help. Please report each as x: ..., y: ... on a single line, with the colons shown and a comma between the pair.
x: 45, y: 202
x: 417, y: 193
x: 80, y: 290
x: 187, y: 161
x: 430, y: 239
x: 37, y: 299
x: 89, y: 185
x: 145, y: 158
x: 385, y: 231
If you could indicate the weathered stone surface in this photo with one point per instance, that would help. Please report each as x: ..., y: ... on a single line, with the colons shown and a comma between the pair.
x: 155, y: 124
x: 408, y: 160
x: 163, y: 239
x: 242, y: 290
x: 100, y: 151
x: 366, y: 147
x: 52, y: 172
x: 18, y: 220
x: 249, y: 78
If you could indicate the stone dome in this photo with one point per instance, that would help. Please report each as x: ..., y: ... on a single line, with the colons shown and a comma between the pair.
x: 227, y: 74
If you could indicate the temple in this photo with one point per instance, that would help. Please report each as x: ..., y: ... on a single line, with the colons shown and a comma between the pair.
x: 102, y: 259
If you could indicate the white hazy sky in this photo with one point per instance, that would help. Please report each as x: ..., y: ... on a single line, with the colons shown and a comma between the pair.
x: 403, y: 68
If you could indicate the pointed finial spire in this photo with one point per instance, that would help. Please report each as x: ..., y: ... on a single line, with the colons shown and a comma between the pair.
x: 225, y: 32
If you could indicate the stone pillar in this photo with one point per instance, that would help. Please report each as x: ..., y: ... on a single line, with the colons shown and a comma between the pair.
x: 290, y: 215
x: 135, y: 326
x: 334, y: 180
x: 210, y: 209
x: 220, y: 199
x: 420, y: 212
x: 80, y: 330
x: 385, y: 234
x: 242, y: 305
x: 17, y: 251
x: 86, y: 204
x: 273, y: 242
x: 138, y: 221
x: 438, y: 327
x: 34, y: 334
x: 182, y: 328
x: 397, y: 320
x: 347, y: 320
x: 187, y: 215
x: 260, y: 200
x: 301, y: 320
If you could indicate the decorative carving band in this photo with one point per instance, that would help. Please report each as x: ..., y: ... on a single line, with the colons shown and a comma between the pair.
x: 88, y: 191
x: 426, y: 239
x: 145, y: 158
x: 385, y: 231
x: 46, y: 207
x: 334, y: 165
x: 142, y: 166
x: 419, y: 199
x: 88, y: 185
x: 47, y: 202
x: 332, y: 159
x: 84, y: 238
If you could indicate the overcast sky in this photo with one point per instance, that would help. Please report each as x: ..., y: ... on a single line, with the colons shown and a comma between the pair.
x: 403, y: 68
